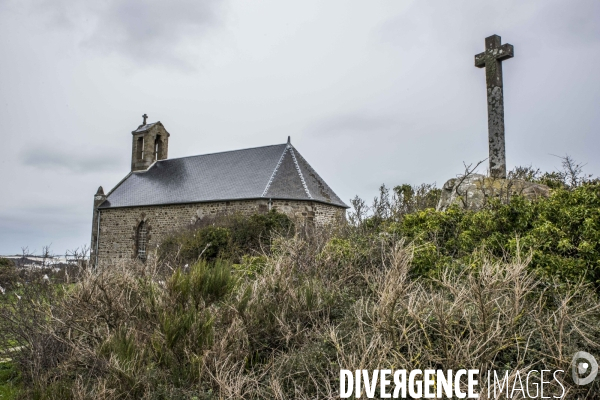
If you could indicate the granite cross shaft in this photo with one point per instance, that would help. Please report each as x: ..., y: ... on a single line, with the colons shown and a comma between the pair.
x: 492, y: 59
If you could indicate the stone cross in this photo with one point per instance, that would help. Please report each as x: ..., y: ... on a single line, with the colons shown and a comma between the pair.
x: 492, y: 59
x: 145, y: 117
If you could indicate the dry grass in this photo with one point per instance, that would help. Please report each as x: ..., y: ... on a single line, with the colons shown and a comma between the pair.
x: 282, y: 326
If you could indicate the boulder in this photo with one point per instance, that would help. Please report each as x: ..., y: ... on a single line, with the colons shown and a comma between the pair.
x: 475, y: 190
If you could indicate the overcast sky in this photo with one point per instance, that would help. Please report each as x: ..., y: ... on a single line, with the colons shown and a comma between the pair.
x: 371, y: 92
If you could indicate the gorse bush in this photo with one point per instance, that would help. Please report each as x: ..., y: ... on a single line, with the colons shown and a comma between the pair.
x: 8, y: 273
x: 127, y: 327
x: 225, y: 236
x: 562, y: 232
x: 285, y: 331
x: 203, y: 284
x: 189, y: 245
x: 244, y: 308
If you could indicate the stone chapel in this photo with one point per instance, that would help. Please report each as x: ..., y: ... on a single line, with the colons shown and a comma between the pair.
x: 160, y: 195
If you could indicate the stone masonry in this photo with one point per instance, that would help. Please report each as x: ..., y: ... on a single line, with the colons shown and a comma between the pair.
x: 118, y: 225
x: 150, y: 143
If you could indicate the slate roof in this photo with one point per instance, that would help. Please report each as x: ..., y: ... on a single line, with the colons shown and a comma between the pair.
x: 275, y: 172
x: 143, y: 128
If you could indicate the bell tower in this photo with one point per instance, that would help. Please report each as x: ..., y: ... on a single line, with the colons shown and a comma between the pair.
x: 150, y: 144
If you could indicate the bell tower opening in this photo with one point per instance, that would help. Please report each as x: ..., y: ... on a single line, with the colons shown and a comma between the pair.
x: 157, y: 148
x: 140, y: 148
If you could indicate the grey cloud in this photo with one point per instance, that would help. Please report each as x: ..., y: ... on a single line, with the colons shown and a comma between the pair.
x: 424, y: 22
x: 542, y: 21
x: 36, y: 227
x: 143, y: 31
x: 75, y: 160
x: 147, y: 30
x: 570, y: 23
x: 353, y: 123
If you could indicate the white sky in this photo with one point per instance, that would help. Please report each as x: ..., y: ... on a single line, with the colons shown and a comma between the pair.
x: 370, y: 92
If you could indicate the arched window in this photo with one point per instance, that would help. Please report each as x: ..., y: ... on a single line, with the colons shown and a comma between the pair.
x: 141, y: 240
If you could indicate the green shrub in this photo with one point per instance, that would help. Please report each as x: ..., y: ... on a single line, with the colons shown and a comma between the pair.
x: 225, y: 237
x: 188, y: 246
x: 251, y: 266
x: 203, y: 284
x: 562, y: 232
x: 9, y: 380
x: 8, y: 273
x: 253, y: 234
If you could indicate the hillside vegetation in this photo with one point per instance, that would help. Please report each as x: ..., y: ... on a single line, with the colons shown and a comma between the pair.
x: 248, y: 308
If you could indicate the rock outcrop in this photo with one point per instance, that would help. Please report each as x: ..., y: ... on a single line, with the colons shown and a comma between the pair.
x: 475, y: 190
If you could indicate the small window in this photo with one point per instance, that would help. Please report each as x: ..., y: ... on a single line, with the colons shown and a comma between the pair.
x: 157, y: 147
x: 142, y: 240
x: 140, y: 148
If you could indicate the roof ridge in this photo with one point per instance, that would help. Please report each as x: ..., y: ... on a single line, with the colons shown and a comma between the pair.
x: 323, y: 187
x: 222, y: 152
x: 300, y: 172
x: 275, y: 171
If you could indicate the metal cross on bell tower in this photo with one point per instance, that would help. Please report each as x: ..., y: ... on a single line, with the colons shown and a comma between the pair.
x: 491, y: 59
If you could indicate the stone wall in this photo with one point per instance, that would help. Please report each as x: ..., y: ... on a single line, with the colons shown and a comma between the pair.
x: 118, y: 226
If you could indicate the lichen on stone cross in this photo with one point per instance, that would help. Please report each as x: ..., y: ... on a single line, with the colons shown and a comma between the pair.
x: 491, y: 59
